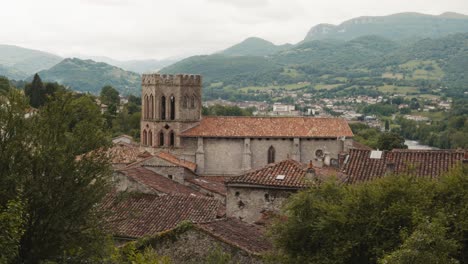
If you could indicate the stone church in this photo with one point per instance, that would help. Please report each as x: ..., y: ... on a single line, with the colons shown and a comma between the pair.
x: 223, y: 146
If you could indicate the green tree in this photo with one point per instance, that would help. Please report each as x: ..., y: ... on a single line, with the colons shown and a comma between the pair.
x: 4, y: 85
x: 110, y: 96
x: 12, y: 220
x: 390, y: 140
x: 36, y: 92
x: 387, y: 125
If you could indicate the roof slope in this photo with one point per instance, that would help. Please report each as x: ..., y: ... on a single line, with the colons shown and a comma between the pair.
x: 431, y: 163
x: 293, y: 171
x: 138, y: 215
x: 248, y: 237
x: 211, y: 183
x: 177, y: 161
x: 157, y: 182
x: 270, y: 127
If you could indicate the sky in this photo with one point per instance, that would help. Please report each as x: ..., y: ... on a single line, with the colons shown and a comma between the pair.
x: 156, y: 29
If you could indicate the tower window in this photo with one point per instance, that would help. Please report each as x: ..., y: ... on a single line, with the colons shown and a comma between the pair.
x: 192, y: 102
x: 151, y: 107
x: 172, y: 108
x: 185, y: 103
x: 150, y: 138
x: 171, y: 139
x: 145, y: 138
x: 271, y: 155
x: 163, y: 108
x: 146, y: 106
x: 161, y: 138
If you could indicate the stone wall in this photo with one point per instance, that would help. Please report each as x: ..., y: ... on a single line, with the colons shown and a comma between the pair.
x: 194, y: 246
x: 248, y: 204
x: 259, y: 149
x: 223, y: 156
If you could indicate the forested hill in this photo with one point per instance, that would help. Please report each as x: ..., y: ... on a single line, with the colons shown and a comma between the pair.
x: 91, y: 76
x: 374, y: 59
x: 254, y: 47
x: 402, y: 26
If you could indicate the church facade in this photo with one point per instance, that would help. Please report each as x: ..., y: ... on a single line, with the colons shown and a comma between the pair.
x: 172, y: 121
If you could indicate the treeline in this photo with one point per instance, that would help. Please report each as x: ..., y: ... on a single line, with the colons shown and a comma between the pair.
x: 394, y: 219
x: 450, y: 132
x: 220, y: 110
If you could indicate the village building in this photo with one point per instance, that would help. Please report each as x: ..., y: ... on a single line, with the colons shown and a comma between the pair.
x: 226, y: 146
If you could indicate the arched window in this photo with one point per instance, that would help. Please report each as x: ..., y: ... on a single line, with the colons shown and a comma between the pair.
x: 185, y: 102
x: 271, y: 155
x: 192, y: 102
x: 145, y: 138
x: 146, y: 106
x: 150, y: 138
x: 163, y: 108
x: 171, y: 139
x: 161, y: 139
x: 172, y: 107
x: 152, y: 106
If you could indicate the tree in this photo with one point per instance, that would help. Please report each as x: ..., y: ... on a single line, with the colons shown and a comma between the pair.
x: 428, y: 244
x: 390, y: 140
x: 4, y: 85
x: 48, y: 182
x: 387, y: 125
x: 110, y: 96
x: 35, y: 91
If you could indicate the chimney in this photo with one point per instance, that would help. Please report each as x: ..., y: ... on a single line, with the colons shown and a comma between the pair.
x: 310, y: 173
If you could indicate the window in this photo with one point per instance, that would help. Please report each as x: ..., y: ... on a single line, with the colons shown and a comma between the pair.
x: 169, y: 176
x: 172, y: 108
x: 192, y: 103
x: 151, y: 107
x: 150, y: 138
x: 171, y: 139
x: 271, y: 155
x: 319, y: 153
x: 146, y: 106
x: 161, y: 138
x: 145, y: 138
x: 185, y: 103
x: 163, y: 108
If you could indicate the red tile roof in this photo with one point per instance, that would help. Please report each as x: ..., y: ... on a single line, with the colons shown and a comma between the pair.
x: 293, y: 171
x: 211, y: 183
x: 177, y: 161
x: 270, y: 127
x: 138, y: 215
x: 248, y: 237
x: 157, y: 182
x: 431, y: 163
x: 123, y: 153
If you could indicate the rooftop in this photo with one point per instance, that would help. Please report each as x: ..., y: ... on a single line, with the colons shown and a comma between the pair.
x: 157, y: 182
x: 177, y: 161
x: 211, y: 183
x: 139, y: 215
x: 280, y: 127
x: 364, y: 165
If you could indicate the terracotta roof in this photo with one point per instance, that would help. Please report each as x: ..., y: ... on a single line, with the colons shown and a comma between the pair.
x: 138, y: 215
x: 157, y: 182
x: 248, y: 237
x: 177, y: 161
x: 431, y: 163
x: 293, y: 172
x: 270, y: 127
x: 358, y: 145
x: 123, y: 153
x: 211, y: 183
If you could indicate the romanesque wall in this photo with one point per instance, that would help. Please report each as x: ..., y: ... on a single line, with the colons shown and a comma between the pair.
x: 248, y: 204
x: 223, y: 156
x: 259, y: 149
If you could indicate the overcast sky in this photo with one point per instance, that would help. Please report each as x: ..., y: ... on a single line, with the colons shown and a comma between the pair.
x: 144, y: 29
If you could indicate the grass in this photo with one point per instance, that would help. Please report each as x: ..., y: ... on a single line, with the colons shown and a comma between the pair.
x: 322, y: 86
x: 294, y: 86
x: 397, y: 89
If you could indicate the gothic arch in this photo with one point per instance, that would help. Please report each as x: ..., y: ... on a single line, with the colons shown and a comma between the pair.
x: 172, y: 107
x: 163, y: 107
x: 146, y: 107
x: 150, y: 138
x: 185, y: 102
x: 161, y: 139
x: 192, y: 101
x: 145, y: 138
x: 152, y: 106
x: 172, y: 138
x: 271, y: 154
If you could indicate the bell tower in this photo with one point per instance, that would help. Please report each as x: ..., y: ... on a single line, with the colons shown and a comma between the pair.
x: 170, y: 104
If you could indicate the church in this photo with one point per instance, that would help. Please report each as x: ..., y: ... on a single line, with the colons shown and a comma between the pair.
x: 229, y: 146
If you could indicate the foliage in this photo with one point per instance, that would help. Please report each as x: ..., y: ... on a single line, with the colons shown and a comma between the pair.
x: 39, y: 163
x: 376, y: 139
x: 362, y: 223
x: 131, y: 255
x: 220, y: 110
x: 390, y: 140
x: 218, y: 256
x: 109, y: 95
x: 428, y: 244
x: 4, y: 85
x: 38, y: 92
x: 12, y: 220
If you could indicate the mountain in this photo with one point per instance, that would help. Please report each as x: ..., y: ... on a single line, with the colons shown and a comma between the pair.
x: 91, y: 76
x: 24, y: 62
x: 139, y: 66
x: 400, y: 26
x: 12, y: 73
x: 254, y: 47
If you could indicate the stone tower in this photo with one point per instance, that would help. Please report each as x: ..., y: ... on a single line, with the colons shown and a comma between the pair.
x: 170, y: 104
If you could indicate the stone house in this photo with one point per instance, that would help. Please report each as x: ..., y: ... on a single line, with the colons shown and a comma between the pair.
x: 259, y: 192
